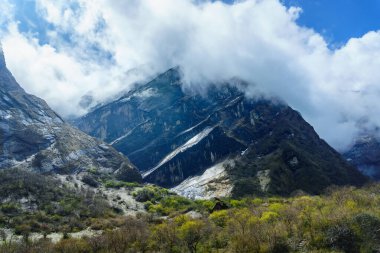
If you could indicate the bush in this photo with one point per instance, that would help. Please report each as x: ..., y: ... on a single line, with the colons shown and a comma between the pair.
x: 342, y: 237
x: 368, y: 229
x: 145, y: 195
x: 10, y: 208
x: 220, y: 217
x: 128, y: 174
x: 192, y: 232
x: 90, y: 180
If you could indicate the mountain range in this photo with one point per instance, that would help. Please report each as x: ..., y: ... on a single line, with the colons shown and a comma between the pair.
x: 202, y: 145
x: 217, y: 143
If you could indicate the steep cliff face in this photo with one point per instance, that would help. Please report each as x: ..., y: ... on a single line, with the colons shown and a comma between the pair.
x: 34, y: 137
x: 173, y: 135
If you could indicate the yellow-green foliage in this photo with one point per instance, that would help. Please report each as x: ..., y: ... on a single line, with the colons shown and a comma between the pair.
x: 160, y: 201
x: 257, y: 201
x: 220, y: 218
x: 342, y: 220
x: 151, y: 193
x: 238, y: 203
x: 269, y: 216
x: 207, y: 205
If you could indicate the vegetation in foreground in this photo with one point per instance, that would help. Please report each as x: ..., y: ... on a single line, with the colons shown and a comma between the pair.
x: 341, y: 220
x: 31, y: 203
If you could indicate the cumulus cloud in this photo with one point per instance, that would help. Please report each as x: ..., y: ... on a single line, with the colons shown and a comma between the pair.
x: 99, y: 48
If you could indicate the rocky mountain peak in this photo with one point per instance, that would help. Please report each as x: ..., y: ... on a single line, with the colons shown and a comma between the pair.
x: 34, y: 137
x: 2, y: 58
x: 7, y: 81
x: 217, y: 140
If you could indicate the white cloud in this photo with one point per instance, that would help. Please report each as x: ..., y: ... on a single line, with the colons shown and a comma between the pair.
x: 337, y: 90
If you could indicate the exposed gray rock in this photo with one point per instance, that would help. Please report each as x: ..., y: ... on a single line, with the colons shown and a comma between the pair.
x: 365, y: 155
x: 34, y: 137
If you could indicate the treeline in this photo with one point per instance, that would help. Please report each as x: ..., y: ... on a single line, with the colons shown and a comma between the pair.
x: 341, y: 220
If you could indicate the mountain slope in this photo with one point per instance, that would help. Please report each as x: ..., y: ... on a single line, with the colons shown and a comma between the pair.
x: 34, y: 137
x: 365, y: 155
x: 172, y: 135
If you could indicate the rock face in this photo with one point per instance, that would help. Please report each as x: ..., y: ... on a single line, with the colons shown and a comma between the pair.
x: 213, y: 183
x: 365, y: 155
x: 172, y: 135
x: 34, y: 137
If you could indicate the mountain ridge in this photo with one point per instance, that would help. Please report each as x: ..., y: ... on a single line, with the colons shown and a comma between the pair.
x: 365, y: 155
x: 34, y: 137
x: 172, y: 135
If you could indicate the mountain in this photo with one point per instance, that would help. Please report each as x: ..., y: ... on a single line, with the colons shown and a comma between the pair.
x: 365, y: 155
x: 217, y: 143
x: 34, y: 137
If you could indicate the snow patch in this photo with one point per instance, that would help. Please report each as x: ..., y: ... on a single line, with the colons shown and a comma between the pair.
x: 127, y: 134
x: 141, y: 94
x: 120, y: 138
x: 146, y: 93
x: 231, y: 103
x: 191, y: 128
x: 190, y: 143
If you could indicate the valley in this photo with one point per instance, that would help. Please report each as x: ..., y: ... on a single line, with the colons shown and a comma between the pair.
x: 165, y: 169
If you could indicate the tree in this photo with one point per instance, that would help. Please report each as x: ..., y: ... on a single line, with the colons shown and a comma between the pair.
x: 245, y: 231
x: 192, y: 232
x: 165, y: 237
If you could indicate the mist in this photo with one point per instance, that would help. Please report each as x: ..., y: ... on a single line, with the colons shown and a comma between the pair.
x: 114, y: 44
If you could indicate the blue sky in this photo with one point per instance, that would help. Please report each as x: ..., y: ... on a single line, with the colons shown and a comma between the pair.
x: 30, y: 20
x: 339, y: 20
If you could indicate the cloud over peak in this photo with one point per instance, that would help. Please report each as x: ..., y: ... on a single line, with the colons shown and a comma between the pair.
x: 100, y: 48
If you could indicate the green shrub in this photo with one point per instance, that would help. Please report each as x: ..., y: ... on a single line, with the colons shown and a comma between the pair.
x: 342, y: 237
x: 90, y: 180
x: 120, y: 184
x: 10, y: 208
